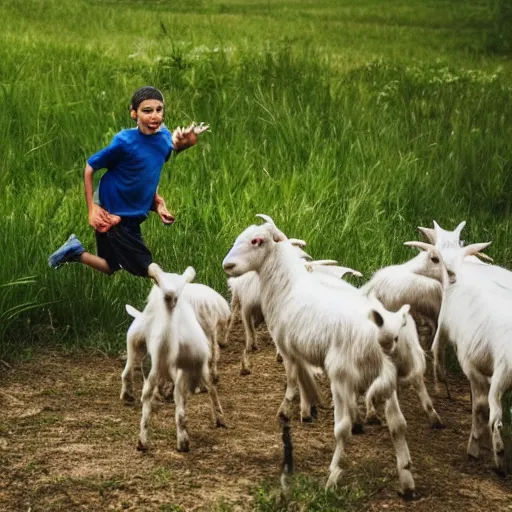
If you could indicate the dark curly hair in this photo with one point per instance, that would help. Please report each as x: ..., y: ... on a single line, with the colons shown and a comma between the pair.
x: 145, y: 93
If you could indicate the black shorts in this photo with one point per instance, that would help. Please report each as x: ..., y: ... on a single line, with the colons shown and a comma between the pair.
x: 123, y: 247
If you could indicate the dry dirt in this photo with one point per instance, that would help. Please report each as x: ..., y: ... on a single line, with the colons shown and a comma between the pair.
x: 68, y: 443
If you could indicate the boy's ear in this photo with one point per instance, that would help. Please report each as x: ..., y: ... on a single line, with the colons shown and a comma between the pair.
x: 133, y: 114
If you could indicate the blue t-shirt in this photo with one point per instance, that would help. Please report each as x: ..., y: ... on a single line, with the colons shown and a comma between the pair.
x: 134, y: 162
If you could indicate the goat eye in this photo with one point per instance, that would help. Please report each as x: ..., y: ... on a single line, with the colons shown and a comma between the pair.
x: 435, y: 260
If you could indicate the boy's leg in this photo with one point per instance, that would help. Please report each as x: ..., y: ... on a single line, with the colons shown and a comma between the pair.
x: 127, y: 248
x: 73, y: 252
x: 95, y: 262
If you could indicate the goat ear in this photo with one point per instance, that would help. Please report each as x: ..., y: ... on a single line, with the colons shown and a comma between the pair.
x: 189, y: 274
x: 428, y: 233
x: 376, y: 318
x: 472, y: 249
x: 132, y: 311
x: 155, y: 272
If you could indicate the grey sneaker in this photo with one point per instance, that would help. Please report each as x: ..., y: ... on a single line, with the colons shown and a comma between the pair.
x: 70, y: 251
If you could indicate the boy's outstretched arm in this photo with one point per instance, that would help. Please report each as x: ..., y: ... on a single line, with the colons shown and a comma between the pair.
x: 99, y: 218
x: 160, y: 208
x: 184, y: 138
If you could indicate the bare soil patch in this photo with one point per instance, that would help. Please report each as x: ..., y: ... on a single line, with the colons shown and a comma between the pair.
x: 68, y: 443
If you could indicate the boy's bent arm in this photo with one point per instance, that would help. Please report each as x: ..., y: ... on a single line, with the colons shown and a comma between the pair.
x: 99, y: 218
x: 89, y: 171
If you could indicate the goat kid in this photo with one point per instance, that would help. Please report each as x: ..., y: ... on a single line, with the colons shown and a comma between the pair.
x: 179, y: 351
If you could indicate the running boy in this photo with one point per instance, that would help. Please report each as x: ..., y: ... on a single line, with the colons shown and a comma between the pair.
x: 128, y: 190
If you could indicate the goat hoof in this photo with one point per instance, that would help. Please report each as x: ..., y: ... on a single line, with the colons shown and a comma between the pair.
x: 357, y: 429
x: 283, y: 418
x: 306, y: 419
x: 500, y: 471
x: 219, y: 423
x: 184, y: 447
x: 127, y: 398
x: 141, y: 447
x: 254, y: 348
x: 438, y: 425
x: 314, y: 412
x: 245, y: 371
x: 279, y: 358
x: 215, y: 379
x: 409, y: 495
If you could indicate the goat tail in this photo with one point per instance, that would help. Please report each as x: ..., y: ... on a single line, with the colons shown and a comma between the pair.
x: 132, y: 311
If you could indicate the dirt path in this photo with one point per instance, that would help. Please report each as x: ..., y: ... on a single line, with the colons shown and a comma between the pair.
x: 68, y: 443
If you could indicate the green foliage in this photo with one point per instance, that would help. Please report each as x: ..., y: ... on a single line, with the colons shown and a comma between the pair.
x: 308, y: 494
x: 499, y: 38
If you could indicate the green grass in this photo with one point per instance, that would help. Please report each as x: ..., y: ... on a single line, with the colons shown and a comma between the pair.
x: 349, y: 124
x: 306, y: 493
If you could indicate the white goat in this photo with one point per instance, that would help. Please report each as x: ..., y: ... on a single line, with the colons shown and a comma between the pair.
x: 408, y: 355
x: 416, y: 282
x: 213, y: 313
x: 178, y: 348
x: 246, y: 298
x: 491, y: 275
x: 443, y: 238
x: 411, y: 365
x: 476, y: 317
x: 310, y: 326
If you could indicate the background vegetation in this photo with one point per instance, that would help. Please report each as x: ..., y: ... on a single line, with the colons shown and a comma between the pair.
x: 350, y: 123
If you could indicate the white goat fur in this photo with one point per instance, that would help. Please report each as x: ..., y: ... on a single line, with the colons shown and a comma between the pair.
x: 310, y: 326
x: 490, y: 275
x: 416, y: 282
x: 178, y: 347
x: 408, y: 357
x: 213, y: 313
x: 476, y: 317
x: 246, y: 300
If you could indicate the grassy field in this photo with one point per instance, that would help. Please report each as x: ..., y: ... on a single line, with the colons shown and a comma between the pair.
x: 349, y: 123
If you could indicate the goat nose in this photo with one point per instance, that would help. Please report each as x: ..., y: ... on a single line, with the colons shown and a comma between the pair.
x: 229, y: 266
x: 171, y: 299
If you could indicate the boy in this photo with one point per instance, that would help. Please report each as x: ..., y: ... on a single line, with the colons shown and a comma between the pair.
x: 128, y: 190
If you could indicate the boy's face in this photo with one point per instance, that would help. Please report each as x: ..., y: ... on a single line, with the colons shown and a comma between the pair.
x: 149, y: 116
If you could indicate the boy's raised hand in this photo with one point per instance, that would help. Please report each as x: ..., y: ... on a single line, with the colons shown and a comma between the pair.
x: 101, y: 220
x: 183, y: 138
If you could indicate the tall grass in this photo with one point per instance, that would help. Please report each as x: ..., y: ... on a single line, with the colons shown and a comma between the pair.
x: 347, y: 152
